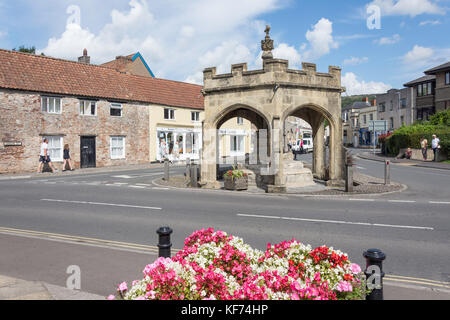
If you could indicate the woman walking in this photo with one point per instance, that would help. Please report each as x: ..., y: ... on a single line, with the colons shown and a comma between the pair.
x: 67, y: 159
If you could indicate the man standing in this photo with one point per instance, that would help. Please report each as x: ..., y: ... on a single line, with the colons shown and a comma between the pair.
x: 44, y: 157
x: 435, y: 146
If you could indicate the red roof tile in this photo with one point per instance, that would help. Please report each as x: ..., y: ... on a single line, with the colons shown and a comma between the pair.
x: 28, y: 72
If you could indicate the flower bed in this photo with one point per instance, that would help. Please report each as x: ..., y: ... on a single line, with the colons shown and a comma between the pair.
x: 217, y: 266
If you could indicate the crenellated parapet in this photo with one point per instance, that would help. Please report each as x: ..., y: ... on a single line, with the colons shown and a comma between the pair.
x: 275, y: 72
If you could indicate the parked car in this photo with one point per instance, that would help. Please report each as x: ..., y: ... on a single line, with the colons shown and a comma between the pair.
x: 308, y: 145
x: 300, y: 148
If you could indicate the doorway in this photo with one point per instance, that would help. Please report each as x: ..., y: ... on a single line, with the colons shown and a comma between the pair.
x: 87, y: 152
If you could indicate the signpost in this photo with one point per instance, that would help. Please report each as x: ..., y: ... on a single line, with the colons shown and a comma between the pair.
x: 377, y: 126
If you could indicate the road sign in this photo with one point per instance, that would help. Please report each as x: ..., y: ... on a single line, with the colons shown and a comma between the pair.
x: 378, y: 125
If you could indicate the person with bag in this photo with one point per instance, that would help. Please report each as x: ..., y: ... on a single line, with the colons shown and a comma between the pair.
x: 435, y: 146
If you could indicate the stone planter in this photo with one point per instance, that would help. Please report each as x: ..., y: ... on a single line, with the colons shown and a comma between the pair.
x: 236, y: 183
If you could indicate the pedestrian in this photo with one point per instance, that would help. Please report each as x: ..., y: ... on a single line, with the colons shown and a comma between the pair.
x: 162, y: 150
x: 424, y: 146
x: 67, y: 159
x: 406, y: 155
x: 44, y: 157
x: 435, y: 146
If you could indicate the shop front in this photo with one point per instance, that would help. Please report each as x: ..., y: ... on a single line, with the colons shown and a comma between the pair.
x: 178, y: 144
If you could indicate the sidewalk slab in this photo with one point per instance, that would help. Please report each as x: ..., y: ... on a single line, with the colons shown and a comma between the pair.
x: 424, y: 164
x: 17, y: 289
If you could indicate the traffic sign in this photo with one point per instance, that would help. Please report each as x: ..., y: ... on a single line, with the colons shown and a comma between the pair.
x: 378, y: 125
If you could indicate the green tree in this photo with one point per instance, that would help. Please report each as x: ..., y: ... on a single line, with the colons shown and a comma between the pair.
x: 31, y: 50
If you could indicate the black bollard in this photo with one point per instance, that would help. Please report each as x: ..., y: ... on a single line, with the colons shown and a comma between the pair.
x: 164, y: 243
x: 374, y: 273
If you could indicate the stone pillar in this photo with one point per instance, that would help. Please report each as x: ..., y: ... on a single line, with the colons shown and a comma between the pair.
x: 277, y: 166
x: 209, y: 158
x: 318, y: 153
x: 336, y: 155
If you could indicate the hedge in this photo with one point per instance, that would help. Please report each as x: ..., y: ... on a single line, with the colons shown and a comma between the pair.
x: 409, y: 137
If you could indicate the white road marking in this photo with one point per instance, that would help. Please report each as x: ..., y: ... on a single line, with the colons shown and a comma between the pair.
x: 367, y: 200
x: 159, y: 188
x: 137, y: 187
x: 102, y: 204
x: 439, y: 202
x: 402, y: 201
x: 144, y: 184
x: 337, y: 222
x: 122, y: 177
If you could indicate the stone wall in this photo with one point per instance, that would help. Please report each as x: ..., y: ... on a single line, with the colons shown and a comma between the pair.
x: 23, y: 123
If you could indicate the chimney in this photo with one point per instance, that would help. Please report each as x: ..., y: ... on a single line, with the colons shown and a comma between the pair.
x: 374, y: 103
x: 366, y: 100
x: 85, y: 58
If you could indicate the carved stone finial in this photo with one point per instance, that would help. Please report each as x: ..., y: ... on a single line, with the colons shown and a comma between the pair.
x: 267, y: 45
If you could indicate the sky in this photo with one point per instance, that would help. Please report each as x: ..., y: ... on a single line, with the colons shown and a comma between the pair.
x: 379, y: 44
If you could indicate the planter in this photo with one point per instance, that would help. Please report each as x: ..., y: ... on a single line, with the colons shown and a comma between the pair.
x: 236, y: 183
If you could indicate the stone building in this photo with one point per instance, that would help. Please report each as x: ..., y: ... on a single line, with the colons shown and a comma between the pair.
x: 102, y: 114
x: 267, y: 97
x: 396, y: 107
x: 430, y: 93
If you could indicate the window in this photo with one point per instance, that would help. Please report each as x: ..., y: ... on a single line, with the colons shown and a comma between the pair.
x: 51, y: 105
x: 382, y: 107
x: 116, y: 110
x: 364, y: 119
x: 425, y: 89
x: 117, y: 147
x: 447, y: 78
x: 402, y: 120
x: 403, y: 103
x: 195, y: 116
x: 391, y: 122
x: 169, y: 114
x: 240, y: 121
x: 371, y: 117
x: 55, y: 148
x: 391, y: 106
x: 237, y: 144
x: 88, y: 108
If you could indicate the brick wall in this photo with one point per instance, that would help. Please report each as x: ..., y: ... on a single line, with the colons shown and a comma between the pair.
x: 21, y: 120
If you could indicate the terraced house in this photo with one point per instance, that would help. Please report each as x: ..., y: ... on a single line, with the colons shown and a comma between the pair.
x: 104, y: 113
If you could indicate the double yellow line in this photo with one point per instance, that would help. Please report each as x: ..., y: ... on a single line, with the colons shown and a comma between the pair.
x: 83, y: 240
x: 418, y: 281
x: 154, y: 250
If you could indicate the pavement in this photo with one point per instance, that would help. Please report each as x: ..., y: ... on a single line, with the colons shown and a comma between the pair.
x: 17, y: 289
x: 417, y: 163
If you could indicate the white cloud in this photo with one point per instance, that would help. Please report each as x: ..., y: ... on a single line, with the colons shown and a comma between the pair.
x: 320, y: 40
x: 171, y: 35
x: 430, y: 22
x: 388, y: 40
x: 422, y: 58
x: 412, y: 8
x: 284, y: 51
x: 418, y: 56
x: 353, y: 61
x: 356, y: 86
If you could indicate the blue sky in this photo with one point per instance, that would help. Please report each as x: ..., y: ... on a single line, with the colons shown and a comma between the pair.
x: 180, y: 38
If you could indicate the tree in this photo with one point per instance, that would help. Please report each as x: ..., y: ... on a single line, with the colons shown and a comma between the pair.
x: 31, y: 50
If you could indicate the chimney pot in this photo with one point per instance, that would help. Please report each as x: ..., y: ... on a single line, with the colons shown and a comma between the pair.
x: 85, y: 58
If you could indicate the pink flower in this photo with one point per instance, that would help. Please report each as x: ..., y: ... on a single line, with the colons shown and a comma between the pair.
x: 122, y: 287
x: 344, y: 286
x: 356, y: 269
x: 111, y: 297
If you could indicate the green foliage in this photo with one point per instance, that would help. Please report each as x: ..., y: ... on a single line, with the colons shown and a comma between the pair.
x: 24, y: 49
x: 441, y: 118
x: 234, y: 174
x: 409, y: 137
